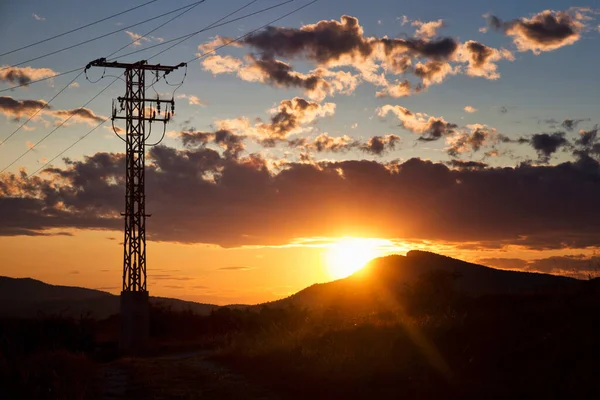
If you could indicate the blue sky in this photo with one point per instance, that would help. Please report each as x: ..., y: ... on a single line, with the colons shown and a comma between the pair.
x: 556, y: 84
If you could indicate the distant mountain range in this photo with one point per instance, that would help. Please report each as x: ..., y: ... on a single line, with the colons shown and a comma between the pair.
x: 381, y: 280
x: 384, y: 278
x: 26, y: 297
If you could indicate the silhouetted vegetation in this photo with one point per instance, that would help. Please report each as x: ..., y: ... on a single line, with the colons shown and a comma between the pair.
x: 426, y: 339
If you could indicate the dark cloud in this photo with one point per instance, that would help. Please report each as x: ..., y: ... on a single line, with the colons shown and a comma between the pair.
x: 460, y: 164
x: 546, y: 31
x: 378, y: 145
x: 199, y: 196
x: 440, y: 49
x: 291, y: 115
x: 324, y: 42
x: 234, y: 268
x: 571, y: 124
x: 232, y: 144
x: 17, y: 109
x: 578, y: 265
x: 567, y: 124
x: 83, y: 114
x: 325, y: 143
x: 471, y: 142
x: 282, y: 74
x: 546, y: 144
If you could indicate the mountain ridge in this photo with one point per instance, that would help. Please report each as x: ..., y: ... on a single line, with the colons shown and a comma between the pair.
x: 383, y: 276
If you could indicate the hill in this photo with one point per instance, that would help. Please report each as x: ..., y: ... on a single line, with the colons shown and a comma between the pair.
x: 26, y: 297
x: 386, y: 278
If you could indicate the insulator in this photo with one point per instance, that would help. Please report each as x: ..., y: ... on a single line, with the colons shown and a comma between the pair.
x: 158, y: 107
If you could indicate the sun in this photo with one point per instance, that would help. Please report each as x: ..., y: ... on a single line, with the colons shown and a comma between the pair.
x: 348, y: 255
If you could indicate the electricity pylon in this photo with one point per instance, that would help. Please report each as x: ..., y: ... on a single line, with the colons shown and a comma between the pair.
x: 138, y: 111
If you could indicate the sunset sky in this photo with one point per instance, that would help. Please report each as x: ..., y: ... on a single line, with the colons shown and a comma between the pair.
x: 346, y: 130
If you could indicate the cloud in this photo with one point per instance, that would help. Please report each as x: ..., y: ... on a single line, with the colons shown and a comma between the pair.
x: 316, y: 84
x: 481, y: 59
x: 199, y: 196
x: 192, y: 99
x: 430, y: 128
x: 79, y: 115
x: 546, y: 144
x: 576, y: 265
x: 571, y: 124
x: 325, y: 143
x: 546, y: 31
x: 234, y: 268
x: 324, y: 42
x: 290, y: 115
x: 472, y: 141
x: 329, y: 45
x: 470, y: 109
x: 461, y: 164
x: 378, y: 145
x: 23, y: 76
x: 38, y: 18
x: 427, y: 29
x: 137, y: 38
x: 17, y: 109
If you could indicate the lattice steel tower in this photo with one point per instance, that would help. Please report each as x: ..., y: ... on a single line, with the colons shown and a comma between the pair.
x: 139, y: 111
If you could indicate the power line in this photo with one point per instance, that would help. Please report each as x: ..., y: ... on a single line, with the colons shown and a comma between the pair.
x: 146, y: 48
x: 215, y: 24
x: 101, y: 36
x: 40, y: 109
x: 158, y: 27
x: 83, y: 71
x: 73, y: 113
x: 68, y: 148
x: 194, y: 59
x: 77, y: 29
x: 212, y: 26
x: 41, y: 79
x: 237, y: 39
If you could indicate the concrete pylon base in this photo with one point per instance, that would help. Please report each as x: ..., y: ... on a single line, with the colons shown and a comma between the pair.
x: 135, y: 321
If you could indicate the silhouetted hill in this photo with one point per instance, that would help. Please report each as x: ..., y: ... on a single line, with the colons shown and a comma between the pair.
x: 26, y: 297
x: 385, y: 278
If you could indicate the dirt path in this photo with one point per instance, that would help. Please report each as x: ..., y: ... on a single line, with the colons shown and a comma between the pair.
x: 190, y: 375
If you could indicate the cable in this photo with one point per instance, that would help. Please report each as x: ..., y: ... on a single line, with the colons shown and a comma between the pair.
x: 68, y: 148
x: 251, y: 32
x: 77, y: 29
x: 73, y: 113
x: 158, y: 27
x: 150, y: 47
x: 103, y: 73
x: 196, y: 58
x: 40, y: 109
x: 101, y: 36
x: 40, y: 80
x: 212, y: 26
